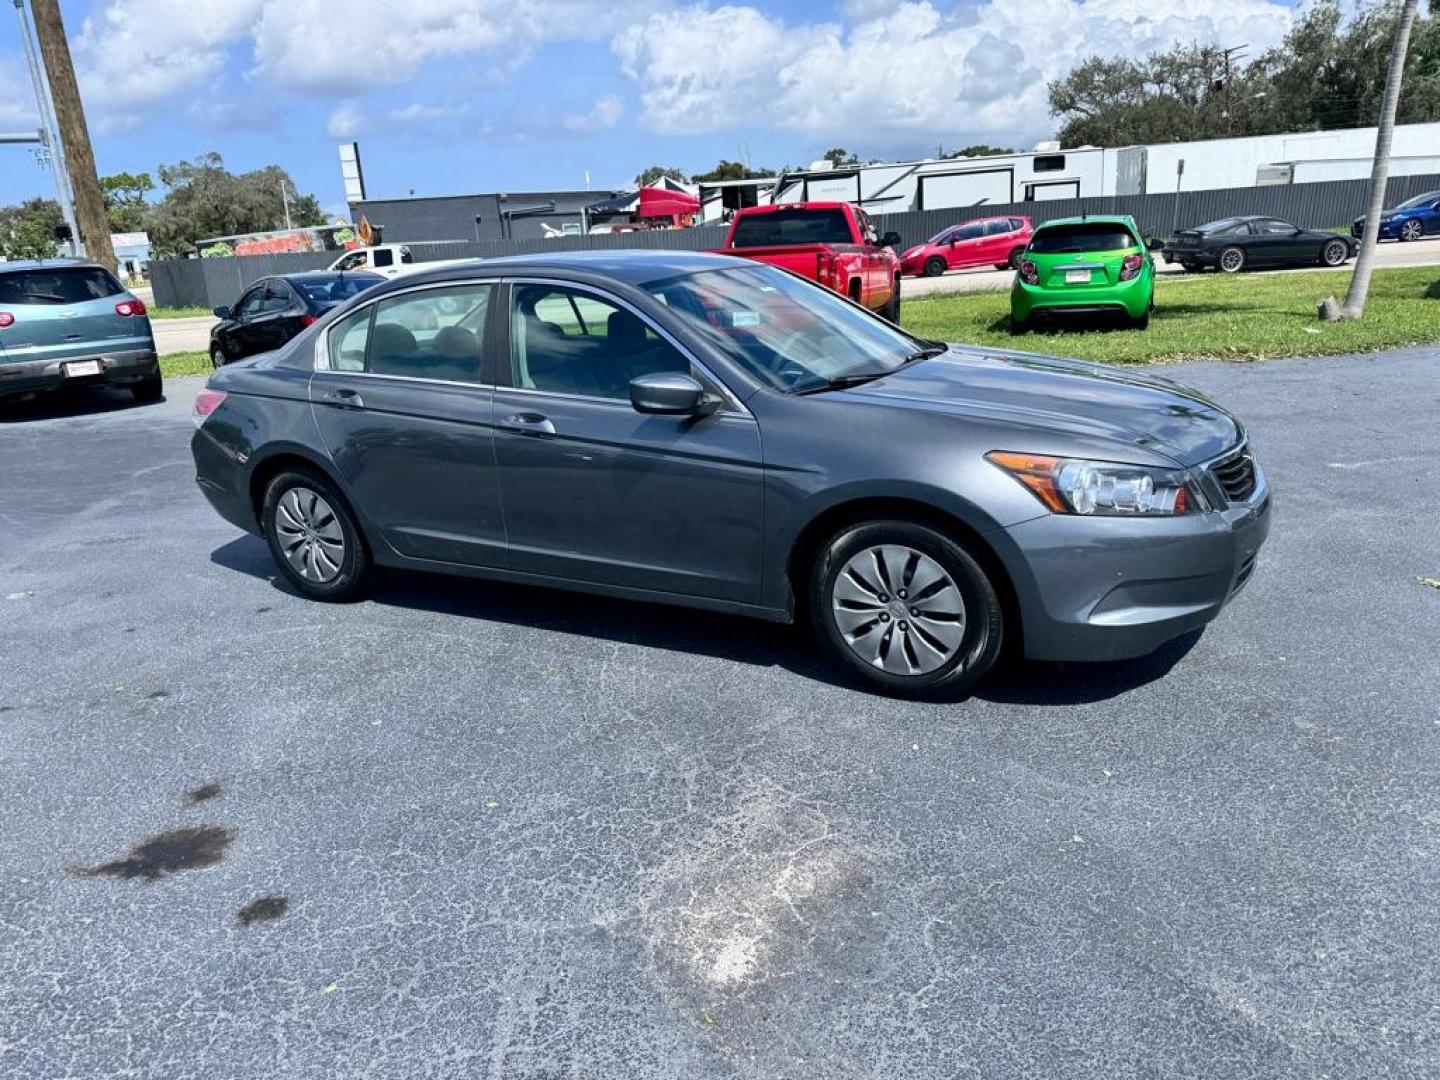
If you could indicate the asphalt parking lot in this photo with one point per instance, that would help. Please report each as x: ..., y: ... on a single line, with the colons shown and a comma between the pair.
x: 468, y: 830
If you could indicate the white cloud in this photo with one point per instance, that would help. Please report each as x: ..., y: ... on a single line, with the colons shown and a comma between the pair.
x: 605, y: 114
x: 346, y: 121
x: 17, y: 97
x: 902, y: 74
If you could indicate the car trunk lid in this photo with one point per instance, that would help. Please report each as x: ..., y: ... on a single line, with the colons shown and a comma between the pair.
x: 1095, y: 269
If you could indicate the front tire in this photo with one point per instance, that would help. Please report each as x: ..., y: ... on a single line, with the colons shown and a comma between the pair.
x: 1232, y: 260
x: 905, y: 608
x: 934, y: 266
x: 1334, y: 253
x: 314, y: 538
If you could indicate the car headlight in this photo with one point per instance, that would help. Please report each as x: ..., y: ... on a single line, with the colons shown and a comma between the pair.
x: 1103, y: 488
x: 910, y: 252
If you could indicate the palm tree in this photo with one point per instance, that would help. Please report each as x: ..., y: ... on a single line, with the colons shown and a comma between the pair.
x: 1354, y: 305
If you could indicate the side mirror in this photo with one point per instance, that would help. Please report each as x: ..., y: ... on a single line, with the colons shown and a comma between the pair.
x: 670, y: 393
x: 890, y: 239
x: 222, y: 312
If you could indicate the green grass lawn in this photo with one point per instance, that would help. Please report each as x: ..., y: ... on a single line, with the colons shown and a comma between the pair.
x: 1210, y: 316
x: 178, y: 312
x: 185, y: 363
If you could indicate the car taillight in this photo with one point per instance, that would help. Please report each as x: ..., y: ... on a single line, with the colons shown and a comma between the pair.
x: 1131, y: 266
x: 827, y: 269
x: 206, y: 402
x: 1028, y: 273
x: 130, y: 308
x: 6, y: 319
x: 308, y: 320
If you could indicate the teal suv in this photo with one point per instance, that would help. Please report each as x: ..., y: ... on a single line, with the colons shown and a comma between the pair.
x: 67, y: 323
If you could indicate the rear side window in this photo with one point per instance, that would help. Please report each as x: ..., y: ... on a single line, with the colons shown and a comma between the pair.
x: 998, y: 227
x: 1016, y: 224
x: 61, y: 285
x: 1082, y: 237
x: 383, y: 257
x: 428, y: 334
x: 792, y: 227
x: 333, y: 290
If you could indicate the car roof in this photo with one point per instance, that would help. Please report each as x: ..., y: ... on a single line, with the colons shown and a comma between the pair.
x: 49, y: 264
x: 327, y: 275
x: 1090, y: 219
x: 631, y: 266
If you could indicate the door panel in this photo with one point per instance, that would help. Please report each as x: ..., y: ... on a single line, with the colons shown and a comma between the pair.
x: 416, y: 451
x: 594, y: 491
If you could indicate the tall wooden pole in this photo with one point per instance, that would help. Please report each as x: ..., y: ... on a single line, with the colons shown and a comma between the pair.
x: 74, y: 134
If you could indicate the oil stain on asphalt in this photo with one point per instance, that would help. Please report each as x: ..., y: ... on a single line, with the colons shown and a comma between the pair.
x: 168, y: 853
x: 264, y: 909
x: 203, y: 793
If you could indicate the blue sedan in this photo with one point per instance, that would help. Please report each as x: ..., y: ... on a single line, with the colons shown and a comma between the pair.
x: 1411, y: 220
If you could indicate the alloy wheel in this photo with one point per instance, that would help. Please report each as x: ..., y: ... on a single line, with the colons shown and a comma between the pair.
x: 1335, y: 253
x: 309, y: 535
x: 1411, y: 230
x: 1231, y: 260
x: 898, y: 609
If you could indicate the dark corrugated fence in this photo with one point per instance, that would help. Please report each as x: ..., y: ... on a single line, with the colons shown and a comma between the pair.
x: 211, y: 282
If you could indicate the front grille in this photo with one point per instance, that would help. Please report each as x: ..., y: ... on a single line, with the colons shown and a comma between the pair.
x: 1236, y: 475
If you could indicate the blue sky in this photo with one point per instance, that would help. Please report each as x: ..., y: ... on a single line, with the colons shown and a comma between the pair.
x: 450, y: 96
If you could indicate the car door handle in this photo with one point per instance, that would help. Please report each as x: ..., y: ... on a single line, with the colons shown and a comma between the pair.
x: 344, y: 397
x: 530, y: 423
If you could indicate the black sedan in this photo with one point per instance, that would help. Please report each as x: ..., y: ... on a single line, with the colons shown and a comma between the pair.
x: 274, y: 309
x: 1242, y: 243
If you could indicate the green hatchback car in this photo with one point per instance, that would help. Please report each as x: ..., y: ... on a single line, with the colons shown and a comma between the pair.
x: 1084, y: 266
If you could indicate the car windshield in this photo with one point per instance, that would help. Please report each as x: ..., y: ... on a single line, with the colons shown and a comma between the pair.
x: 60, y: 285
x: 1081, y: 237
x: 787, y: 332
x: 1419, y: 200
x: 792, y: 227
x: 333, y: 290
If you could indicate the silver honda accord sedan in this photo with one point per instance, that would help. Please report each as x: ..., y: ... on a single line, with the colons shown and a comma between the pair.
x: 711, y: 432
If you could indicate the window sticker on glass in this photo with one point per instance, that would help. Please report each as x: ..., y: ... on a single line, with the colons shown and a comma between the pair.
x: 745, y: 318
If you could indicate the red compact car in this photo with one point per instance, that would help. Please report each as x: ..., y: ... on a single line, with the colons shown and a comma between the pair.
x: 996, y: 242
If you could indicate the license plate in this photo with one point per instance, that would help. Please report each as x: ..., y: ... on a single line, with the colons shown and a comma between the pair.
x: 78, y: 368
x: 1077, y: 277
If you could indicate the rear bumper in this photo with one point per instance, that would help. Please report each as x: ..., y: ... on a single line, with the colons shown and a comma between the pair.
x: 119, y: 368
x: 1117, y: 588
x: 1132, y: 298
x: 1198, y: 258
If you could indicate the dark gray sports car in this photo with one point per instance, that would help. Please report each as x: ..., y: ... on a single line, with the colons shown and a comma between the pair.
x: 1243, y: 243
x: 712, y: 432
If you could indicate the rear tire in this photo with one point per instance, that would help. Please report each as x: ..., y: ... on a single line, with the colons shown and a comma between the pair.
x: 1013, y: 263
x: 1232, y: 260
x: 1190, y: 267
x: 935, y: 266
x: 148, y: 390
x: 891, y: 312
x: 314, y: 538
x: 1411, y: 230
x: 1142, y: 323
x: 1334, y: 253
x: 938, y: 642
x: 1019, y: 326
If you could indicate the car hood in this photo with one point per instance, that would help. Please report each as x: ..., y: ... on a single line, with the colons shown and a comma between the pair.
x: 1064, y: 396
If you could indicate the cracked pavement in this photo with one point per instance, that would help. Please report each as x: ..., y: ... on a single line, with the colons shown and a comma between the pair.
x: 470, y: 830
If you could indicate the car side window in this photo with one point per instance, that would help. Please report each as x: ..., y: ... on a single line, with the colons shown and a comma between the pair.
x: 382, y: 257
x: 970, y: 232
x: 347, y: 339
x: 1016, y: 224
x: 251, y: 302
x: 568, y: 341
x: 430, y: 334
x: 1272, y: 227
x: 998, y: 227
x: 277, y: 297
x: 353, y: 261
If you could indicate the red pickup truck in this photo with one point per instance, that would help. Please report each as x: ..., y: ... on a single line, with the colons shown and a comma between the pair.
x: 832, y: 243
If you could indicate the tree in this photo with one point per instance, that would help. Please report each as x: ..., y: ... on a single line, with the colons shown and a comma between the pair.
x: 730, y: 170
x: 655, y: 173
x: 125, y: 204
x: 204, y: 199
x: 840, y: 157
x: 1328, y: 73
x: 1365, y: 262
x: 27, y: 231
x: 980, y: 150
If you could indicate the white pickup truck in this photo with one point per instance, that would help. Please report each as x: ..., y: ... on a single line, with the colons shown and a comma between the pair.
x: 387, y: 260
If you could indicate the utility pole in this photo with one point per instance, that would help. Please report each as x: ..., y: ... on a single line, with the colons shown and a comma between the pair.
x: 285, y: 198
x: 74, y: 135
x: 49, y: 151
x: 1235, y: 52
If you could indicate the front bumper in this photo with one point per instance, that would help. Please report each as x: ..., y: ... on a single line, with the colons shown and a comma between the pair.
x: 120, y: 368
x: 1389, y: 230
x: 1132, y: 298
x: 1108, y: 588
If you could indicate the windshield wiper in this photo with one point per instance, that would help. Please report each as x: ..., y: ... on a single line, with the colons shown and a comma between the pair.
x: 843, y: 382
x: 928, y: 350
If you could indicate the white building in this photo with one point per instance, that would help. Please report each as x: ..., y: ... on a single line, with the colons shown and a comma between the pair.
x: 1049, y: 172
